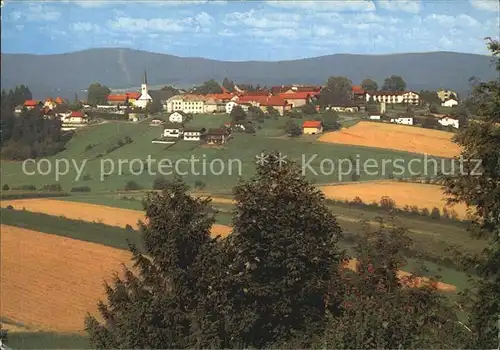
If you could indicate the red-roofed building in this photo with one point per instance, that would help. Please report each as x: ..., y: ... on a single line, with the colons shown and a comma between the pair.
x: 299, y: 99
x: 312, y: 127
x: 30, y: 104
x: 252, y: 99
x: 358, y: 92
x: 116, y: 99
x: 278, y: 103
x: 59, y: 100
x: 224, y: 97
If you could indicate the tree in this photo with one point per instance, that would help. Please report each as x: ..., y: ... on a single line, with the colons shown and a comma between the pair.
x: 272, y: 112
x: 285, y: 258
x: 394, y: 83
x: 292, y: 129
x: 378, y: 310
x: 97, y: 94
x: 369, y: 85
x: 151, y: 308
x: 237, y: 115
x: 336, y: 89
x: 481, y: 141
x: 228, y: 84
x: 208, y: 87
x: 429, y: 97
x: 132, y: 186
x: 330, y: 121
x: 256, y: 113
x: 172, y: 91
x: 309, y: 109
x: 434, y: 108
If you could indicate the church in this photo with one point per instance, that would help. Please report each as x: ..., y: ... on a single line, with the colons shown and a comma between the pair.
x: 145, y: 98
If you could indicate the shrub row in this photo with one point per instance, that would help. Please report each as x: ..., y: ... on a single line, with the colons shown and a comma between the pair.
x: 120, y: 143
x: 12, y: 196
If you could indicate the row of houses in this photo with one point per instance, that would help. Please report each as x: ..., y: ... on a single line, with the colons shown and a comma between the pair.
x: 211, y: 136
x: 446, y: 120
x: 48, y: 104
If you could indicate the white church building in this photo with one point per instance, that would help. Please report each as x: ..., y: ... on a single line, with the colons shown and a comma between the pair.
x: 145, y: 98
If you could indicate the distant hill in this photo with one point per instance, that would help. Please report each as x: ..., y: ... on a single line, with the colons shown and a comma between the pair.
x: 121, y: 68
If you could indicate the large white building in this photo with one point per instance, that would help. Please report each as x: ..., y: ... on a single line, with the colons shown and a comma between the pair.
x: 408, y: 97
x: 449, y: 103
x: 448, y: 121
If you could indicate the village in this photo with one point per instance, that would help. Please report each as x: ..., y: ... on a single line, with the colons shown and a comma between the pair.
x: 278, y: 101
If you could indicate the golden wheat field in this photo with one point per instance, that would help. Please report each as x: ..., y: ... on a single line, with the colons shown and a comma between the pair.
x: 50, y: 282
x: 91, y: 212
x: 403, y: 193
x: 397, y: 137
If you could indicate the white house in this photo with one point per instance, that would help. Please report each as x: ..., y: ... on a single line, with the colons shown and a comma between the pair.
x: 193, y: 134
x: 408, y: 97
x: 402, y: 120
x: 375, y: 117
x: 156, y: 122
x: 449, y: 103
x: 172, y: 131
x: 177, y: 117
x: 145, y: 98
x: 230, y: 105
x: 447, y: 121
x: 187, y: 103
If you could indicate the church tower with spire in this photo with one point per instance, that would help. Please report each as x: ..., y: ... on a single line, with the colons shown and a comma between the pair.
x: 145, y: 97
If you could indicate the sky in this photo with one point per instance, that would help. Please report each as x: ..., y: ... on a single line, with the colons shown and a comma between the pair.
x: 237, y: 30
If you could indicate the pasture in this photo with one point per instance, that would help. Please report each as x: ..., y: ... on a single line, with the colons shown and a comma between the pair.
x: 396, y: 137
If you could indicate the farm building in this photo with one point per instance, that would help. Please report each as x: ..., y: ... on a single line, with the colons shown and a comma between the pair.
x: 177, y: 117
x: 449, y: 103
x: 402, y: 120
x: 172, y: 130
x: 449, y: 121
x: 193, y: 134
x: 312, y: 127
x: 375, y: 117
x: 156, y: 122
x: 230, y: 105
x: 217, y: 136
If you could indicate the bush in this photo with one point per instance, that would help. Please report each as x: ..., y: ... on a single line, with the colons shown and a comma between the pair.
x: 129, y: 227
x: 132, y: 186
x: 387, y: 203
x: 425, y: 212
x: 10, y: 207
x: 51, y: 188
x: 89, y: 147
x: 127, y: 140
x: 5, y: 187
x: 199, y: 184
x: 435, y: 214
x: 292, y: 129
x: 80, y: 189
x: 357, y: 201
x: 160, y: 183
x: 446, y: 215
x: 355, y: 177
x: 25, y: 188
x: 414, y: 209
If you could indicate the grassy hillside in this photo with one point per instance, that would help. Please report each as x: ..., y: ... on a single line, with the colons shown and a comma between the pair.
x: 234, y: 159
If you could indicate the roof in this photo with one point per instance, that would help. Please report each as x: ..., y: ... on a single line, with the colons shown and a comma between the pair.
x: 312, y: 124
x: 123, y: 97
x: 302, y: 95
x: 275, y: 101
x: 59, y: 100
x: 48, y: 99
x: 358, y: 89
x: 31, y: 103
x: 391, y: 93
x: 449, y: 117
x: 217, y: 132
x: 194, y: 130
x: 77, y: 114
x: 252, y: 98
x: 179, y: 112
x: 296, y: 88
x: 172, y: 126
x: 223, y: 96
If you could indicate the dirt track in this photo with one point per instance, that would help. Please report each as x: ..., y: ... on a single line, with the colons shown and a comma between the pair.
x: 396, y: 137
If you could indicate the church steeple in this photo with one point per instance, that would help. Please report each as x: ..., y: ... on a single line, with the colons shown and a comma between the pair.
x: 145, y: 77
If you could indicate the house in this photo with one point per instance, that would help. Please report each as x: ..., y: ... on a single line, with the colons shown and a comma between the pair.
x: 449, y: 103
x: 403, y: 120
x: 446, y: 95
x: 217, y: 136
x: 230, y: 105
x: 31, y: 104
x: 299, y: 99
x: 449, y: 121
x: 278, y: 103
x: 156, y: 122
x: 18, y: 109
x: 49, y: 103
x: 188, y: 103
x: 283, y: 89
x: 407, y: 97
x: 345, y: 106
x: 122, y: 99
x: 173, y: 130
x: 177, y: 117
x: 59, y: 100
x: 73, y: 120
x: 210, y: 106
x: 312, y: 127
x: 358, y: 93
x: 193, y: 134
x: 375, y: 117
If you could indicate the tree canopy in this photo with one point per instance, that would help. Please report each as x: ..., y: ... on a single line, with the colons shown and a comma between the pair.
x: 336, y: 89
x: 208, y: 87
x: 228, y: 84
x: 97, y: 94
x: 369, y: 85
x: 394, y: 83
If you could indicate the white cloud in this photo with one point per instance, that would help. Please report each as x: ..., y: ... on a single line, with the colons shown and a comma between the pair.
x: 461, y: 20
x: 486, y: 5
x: 84, y: 27
x: 35, y: 12
x: 255, y: 19
x: 412, y: 6
x: 327, y: 5
x: 227, y: 33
